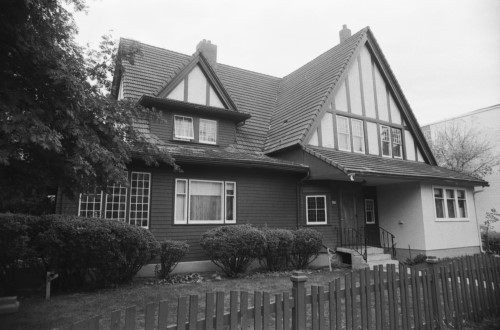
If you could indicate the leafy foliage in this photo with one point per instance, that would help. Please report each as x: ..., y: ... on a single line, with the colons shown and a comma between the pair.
x: 464, y: 149
x: 306, y: 246
x: 82, y: 251
x: 278, y: 246
x: 491, y: 242
x: 171, y: 252
x: 60, y: 126
x: 233, y: 248
x: 419, y: 259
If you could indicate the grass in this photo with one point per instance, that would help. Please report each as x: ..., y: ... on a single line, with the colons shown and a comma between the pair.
x: 63, y: 310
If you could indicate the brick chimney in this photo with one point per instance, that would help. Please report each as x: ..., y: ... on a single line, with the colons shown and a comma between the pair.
x: 344, y: 33
x: 208, y: 50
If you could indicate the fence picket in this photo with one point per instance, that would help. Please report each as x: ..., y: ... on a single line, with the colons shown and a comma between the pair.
x: 181, y: 313
x: 266, y: 311
x: 150, y: 316
x: 473, y: 287
x: 402, y: 295
x: 378, y: 302
x: 287, y: 312
x: 233, y: 310
x: 455, y: 295
x: 257, y: 303
x: 209, y: 310
x: 115, y: 320
x: 163, y: 315
x: 390, y: 294
x: 219, y: 310
x: 468, y: 300
x: 321, y: 307
x: 369, y: 296
x: 338, y: 303
x: 279, y: 312
x: 362, y: 294
x: 193, y: 312
x: 415, y: 299
x: 331, y: 304
x: 314, y: 307
x: 427, y: 298
x: 348, y: 303
x: 244, y: 309
x: 445, y: 292
x: 130, y: 318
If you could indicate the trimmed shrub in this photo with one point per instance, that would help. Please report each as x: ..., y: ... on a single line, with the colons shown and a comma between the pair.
x: 233, y: 248
x: 419, y: 259
x: 171, y: 252
x: 306, y: 246
x: 278, y: 246
x: 85, y: 251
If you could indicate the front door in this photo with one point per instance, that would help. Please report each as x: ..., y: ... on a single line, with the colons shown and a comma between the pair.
x: 348, y: 217
x: 370, y: 216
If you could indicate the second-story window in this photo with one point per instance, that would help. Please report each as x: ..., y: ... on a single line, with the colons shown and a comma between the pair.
x: 391, y: 142
x: 358, y: 136
x: 396, y: 143
x: 208, y: 131
x: 184, y: 127
x: 343, y: 132
x: 385, y: 137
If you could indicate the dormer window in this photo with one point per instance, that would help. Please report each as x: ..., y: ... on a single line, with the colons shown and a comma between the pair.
x: 208, y: 131
x: 184, y: 128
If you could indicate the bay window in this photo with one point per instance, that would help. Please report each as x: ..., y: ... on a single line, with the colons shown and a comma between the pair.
x: 204, y: 202
x: 450, y: 203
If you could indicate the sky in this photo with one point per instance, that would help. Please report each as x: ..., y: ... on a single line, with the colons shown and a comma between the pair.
x: 445, y: 54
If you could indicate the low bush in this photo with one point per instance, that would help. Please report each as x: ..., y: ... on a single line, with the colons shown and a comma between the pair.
x: 419, y: 259
x: 233, y: 248
x: 307, y: 244
x: 82, y: 251
x: 278, y: 246
x: 171, y: 252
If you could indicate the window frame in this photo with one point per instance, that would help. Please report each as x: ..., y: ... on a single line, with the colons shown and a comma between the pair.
x: 374, y: 220
x: 382, y: 141
x: 215, y: 131
x: 187, y: 208
x: 182, y: 137
x: 113, y: 187
x: 316, y: 223
x: 445, y: 204
x: 400, y: 142
x: 149, y: 200
x: 362, y: 136
x: 349, y: 139
x: 93, y: 203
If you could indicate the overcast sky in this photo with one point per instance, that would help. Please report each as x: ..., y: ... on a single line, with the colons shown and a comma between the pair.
x: 444, y: 53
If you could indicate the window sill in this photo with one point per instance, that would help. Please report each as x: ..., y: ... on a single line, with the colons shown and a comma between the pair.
x: 452, y: 219
x: 316, y: 223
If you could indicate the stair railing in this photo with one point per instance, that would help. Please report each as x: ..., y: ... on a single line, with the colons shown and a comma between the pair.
x: 387, y: 241
x: 353, y: 239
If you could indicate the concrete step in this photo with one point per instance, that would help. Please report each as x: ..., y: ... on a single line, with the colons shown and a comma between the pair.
x: 379, y: 257
x: 371, y: 264
x: 374, y: 250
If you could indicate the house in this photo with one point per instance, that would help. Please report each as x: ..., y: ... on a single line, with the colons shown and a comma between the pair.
x: 485, y: 122
x: 332, y: 146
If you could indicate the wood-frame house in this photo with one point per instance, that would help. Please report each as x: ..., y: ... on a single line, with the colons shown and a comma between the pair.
x: 333, y: 146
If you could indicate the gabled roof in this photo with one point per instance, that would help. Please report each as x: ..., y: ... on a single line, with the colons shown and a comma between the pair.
x: 367, y: 165
x: 303, y: 92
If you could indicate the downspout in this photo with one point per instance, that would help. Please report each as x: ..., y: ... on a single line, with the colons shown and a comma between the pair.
x: 299, y: 194
x: 477, y: 219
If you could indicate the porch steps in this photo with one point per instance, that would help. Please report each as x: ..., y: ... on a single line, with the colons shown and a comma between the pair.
x: 375, y: 256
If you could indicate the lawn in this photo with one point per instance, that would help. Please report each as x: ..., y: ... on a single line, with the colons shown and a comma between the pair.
x: 65, y: 309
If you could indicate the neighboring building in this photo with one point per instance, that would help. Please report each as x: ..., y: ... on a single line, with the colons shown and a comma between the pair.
x: 332, y: 146
x: 485, y: 121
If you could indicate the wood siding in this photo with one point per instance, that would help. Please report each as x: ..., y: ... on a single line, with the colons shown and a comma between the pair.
x: 263, y: 198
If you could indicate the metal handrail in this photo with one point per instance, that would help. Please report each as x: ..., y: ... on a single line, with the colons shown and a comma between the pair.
x: 353, y: 239
x: 387, y: 241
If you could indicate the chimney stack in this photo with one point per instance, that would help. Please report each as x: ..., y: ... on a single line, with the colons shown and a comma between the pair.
x: 344, y: 33
x: 208, y: 50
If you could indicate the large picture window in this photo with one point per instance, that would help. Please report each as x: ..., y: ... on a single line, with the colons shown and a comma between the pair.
x: 450, y: 203
x: 316, y: 210
x: 113, y: 202
x: 202, y: 201
x: 183, y: 127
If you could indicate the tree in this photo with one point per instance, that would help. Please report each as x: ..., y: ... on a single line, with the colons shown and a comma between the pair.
x: 59, y: 126
x: 491, y: 218
x: 464, y: 149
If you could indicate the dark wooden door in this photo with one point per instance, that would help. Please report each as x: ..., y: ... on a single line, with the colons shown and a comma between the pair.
x: 371, y: 216
x: 348, y: 218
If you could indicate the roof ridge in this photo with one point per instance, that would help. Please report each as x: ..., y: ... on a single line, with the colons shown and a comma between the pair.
x: 153, y: 46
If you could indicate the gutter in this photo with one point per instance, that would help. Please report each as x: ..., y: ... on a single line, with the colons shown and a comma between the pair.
x: 477, y: 221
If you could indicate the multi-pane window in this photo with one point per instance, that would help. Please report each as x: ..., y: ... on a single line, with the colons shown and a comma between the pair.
x: 385, y: 138
x: 208, y: 131
x: 391, y: 142
x: 113, y: 202
x: 358, y: 136
x: 316, y: 209
x: 139, y: 199
x: 183, y: 127
x: 450, y: 203
x: 396, y: 143
x: 90, y: 205
x: 202, y: 201
x: 116, y: 203
x: 370, y: 211
x: 343, y: 133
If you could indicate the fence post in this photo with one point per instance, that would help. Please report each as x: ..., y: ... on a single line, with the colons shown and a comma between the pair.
x: 299, y: 296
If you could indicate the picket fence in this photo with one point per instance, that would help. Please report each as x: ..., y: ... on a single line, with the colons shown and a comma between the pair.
x: 445, y: 295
